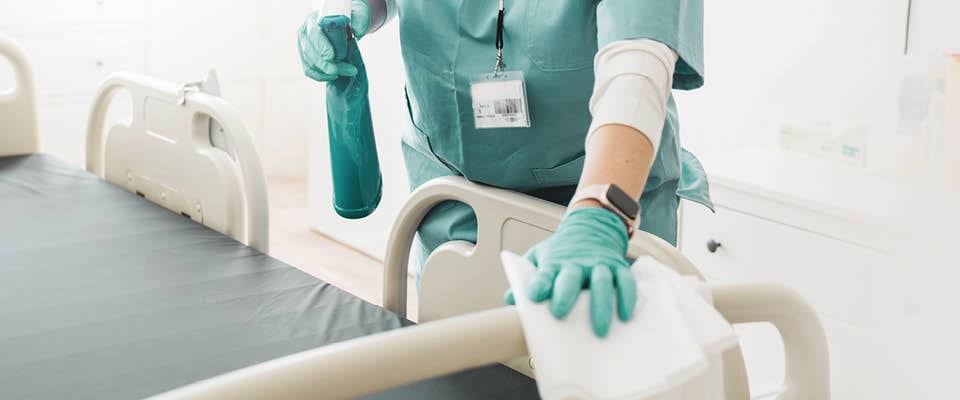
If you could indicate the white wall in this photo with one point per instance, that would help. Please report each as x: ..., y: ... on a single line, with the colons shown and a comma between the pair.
x: 771, y: 62
x: 934, y: 26
x: 251, y: 43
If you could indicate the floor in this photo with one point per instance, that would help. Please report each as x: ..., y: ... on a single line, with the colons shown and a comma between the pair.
x: 292, y: 242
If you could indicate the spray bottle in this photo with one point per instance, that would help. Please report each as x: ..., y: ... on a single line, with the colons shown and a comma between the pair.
x: 357, y: 182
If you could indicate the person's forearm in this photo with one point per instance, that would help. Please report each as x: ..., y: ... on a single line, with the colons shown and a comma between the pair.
x: 629, y: 105
x: 620, y: 155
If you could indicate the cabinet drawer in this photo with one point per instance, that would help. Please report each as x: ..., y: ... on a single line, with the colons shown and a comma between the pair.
x: 833, y: 275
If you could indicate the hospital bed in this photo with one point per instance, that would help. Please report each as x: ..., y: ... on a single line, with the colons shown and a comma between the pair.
x: 147, y: 275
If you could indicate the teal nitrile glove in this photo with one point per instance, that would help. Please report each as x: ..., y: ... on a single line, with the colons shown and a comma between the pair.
x: 317, y: 54
x: 588, y: 251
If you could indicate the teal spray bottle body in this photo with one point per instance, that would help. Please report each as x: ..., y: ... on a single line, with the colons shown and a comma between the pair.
x: 357, y: 181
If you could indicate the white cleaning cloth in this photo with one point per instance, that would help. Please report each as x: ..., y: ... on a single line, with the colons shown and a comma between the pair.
x: 670, y: 339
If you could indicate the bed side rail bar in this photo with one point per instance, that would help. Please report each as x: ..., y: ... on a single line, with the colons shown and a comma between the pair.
x: 373, y: 364
x: 807, y: 373
x: 189, y: 158
x: 376, y: 363
x: 493, y: 207
x: 18, y: 108
x: 379, y: 362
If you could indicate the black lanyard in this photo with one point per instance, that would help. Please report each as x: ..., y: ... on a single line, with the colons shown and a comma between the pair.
x: 498, y: 69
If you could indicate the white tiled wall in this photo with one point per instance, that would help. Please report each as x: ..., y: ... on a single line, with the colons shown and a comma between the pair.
x: 73, y: 44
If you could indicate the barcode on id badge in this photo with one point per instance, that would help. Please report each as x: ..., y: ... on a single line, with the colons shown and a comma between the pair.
x: 507, y: 107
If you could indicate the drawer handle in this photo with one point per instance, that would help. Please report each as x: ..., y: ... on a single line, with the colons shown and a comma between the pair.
x: 713, y: 245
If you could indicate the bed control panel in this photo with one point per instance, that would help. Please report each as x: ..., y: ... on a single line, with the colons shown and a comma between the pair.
x: 166, y: 196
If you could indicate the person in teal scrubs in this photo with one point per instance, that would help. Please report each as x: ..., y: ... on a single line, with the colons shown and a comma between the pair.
x: 446, y: 44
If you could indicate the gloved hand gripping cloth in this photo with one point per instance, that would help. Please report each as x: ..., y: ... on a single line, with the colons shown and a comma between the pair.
x: 671, y: 340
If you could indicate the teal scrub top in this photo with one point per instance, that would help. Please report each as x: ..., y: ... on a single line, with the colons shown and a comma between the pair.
x: 448, y: 43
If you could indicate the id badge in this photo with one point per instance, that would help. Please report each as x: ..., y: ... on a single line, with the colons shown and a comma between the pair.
x: 500, y: 101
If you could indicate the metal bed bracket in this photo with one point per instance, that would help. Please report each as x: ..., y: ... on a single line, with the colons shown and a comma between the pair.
x: 209, y: 85
x: 166, y: 196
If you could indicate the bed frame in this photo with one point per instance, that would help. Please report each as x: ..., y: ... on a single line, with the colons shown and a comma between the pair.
x: 18, y: 106
x: 507, y: 221
x: 184, y: 149
x: 165, y: 153
x: 460, y: 278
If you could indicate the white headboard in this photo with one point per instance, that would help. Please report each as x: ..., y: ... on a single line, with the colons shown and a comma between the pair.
x: 18, y: 111
x: 164, y: 153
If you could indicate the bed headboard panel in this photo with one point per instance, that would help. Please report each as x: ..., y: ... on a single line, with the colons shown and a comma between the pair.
x: 18, y: 111
x: 460, y: 277
x: 507, y: 220
x: 164, y: 154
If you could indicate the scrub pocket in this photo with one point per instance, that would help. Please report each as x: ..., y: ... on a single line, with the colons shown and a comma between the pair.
x: 693, y: 185
x: 431, y: 105
x: 564, y: 174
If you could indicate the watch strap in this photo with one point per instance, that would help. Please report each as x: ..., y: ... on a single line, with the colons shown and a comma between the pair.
x: 613, y: 199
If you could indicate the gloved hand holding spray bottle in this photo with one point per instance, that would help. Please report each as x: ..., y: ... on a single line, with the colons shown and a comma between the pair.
x: 329, y: 53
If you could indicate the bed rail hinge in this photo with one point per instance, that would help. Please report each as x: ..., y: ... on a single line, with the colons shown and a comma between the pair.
x: 209, y: 85
x: 166, y: 196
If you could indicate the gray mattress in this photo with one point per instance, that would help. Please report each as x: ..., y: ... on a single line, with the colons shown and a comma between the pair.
x: 104, y: 295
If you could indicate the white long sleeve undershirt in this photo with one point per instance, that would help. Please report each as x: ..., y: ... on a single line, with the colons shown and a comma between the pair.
x: 382, y: 11
x: 633, y: 82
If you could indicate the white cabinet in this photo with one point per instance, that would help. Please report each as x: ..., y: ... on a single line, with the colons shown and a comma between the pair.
x: 812, y: 227
x: 834, y: 276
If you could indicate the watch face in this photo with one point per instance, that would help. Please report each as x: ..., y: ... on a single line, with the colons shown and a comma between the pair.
x: 622, y: 201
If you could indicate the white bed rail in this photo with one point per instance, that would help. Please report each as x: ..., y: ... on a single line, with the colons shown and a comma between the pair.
x: 376, y: 363
x: 506, y: 220
x: 18, y: 110
x: 807, y: 370
x: 372, y: 364
x: 164, y: 153
x: 461, y: 277
x: 379, y: 362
